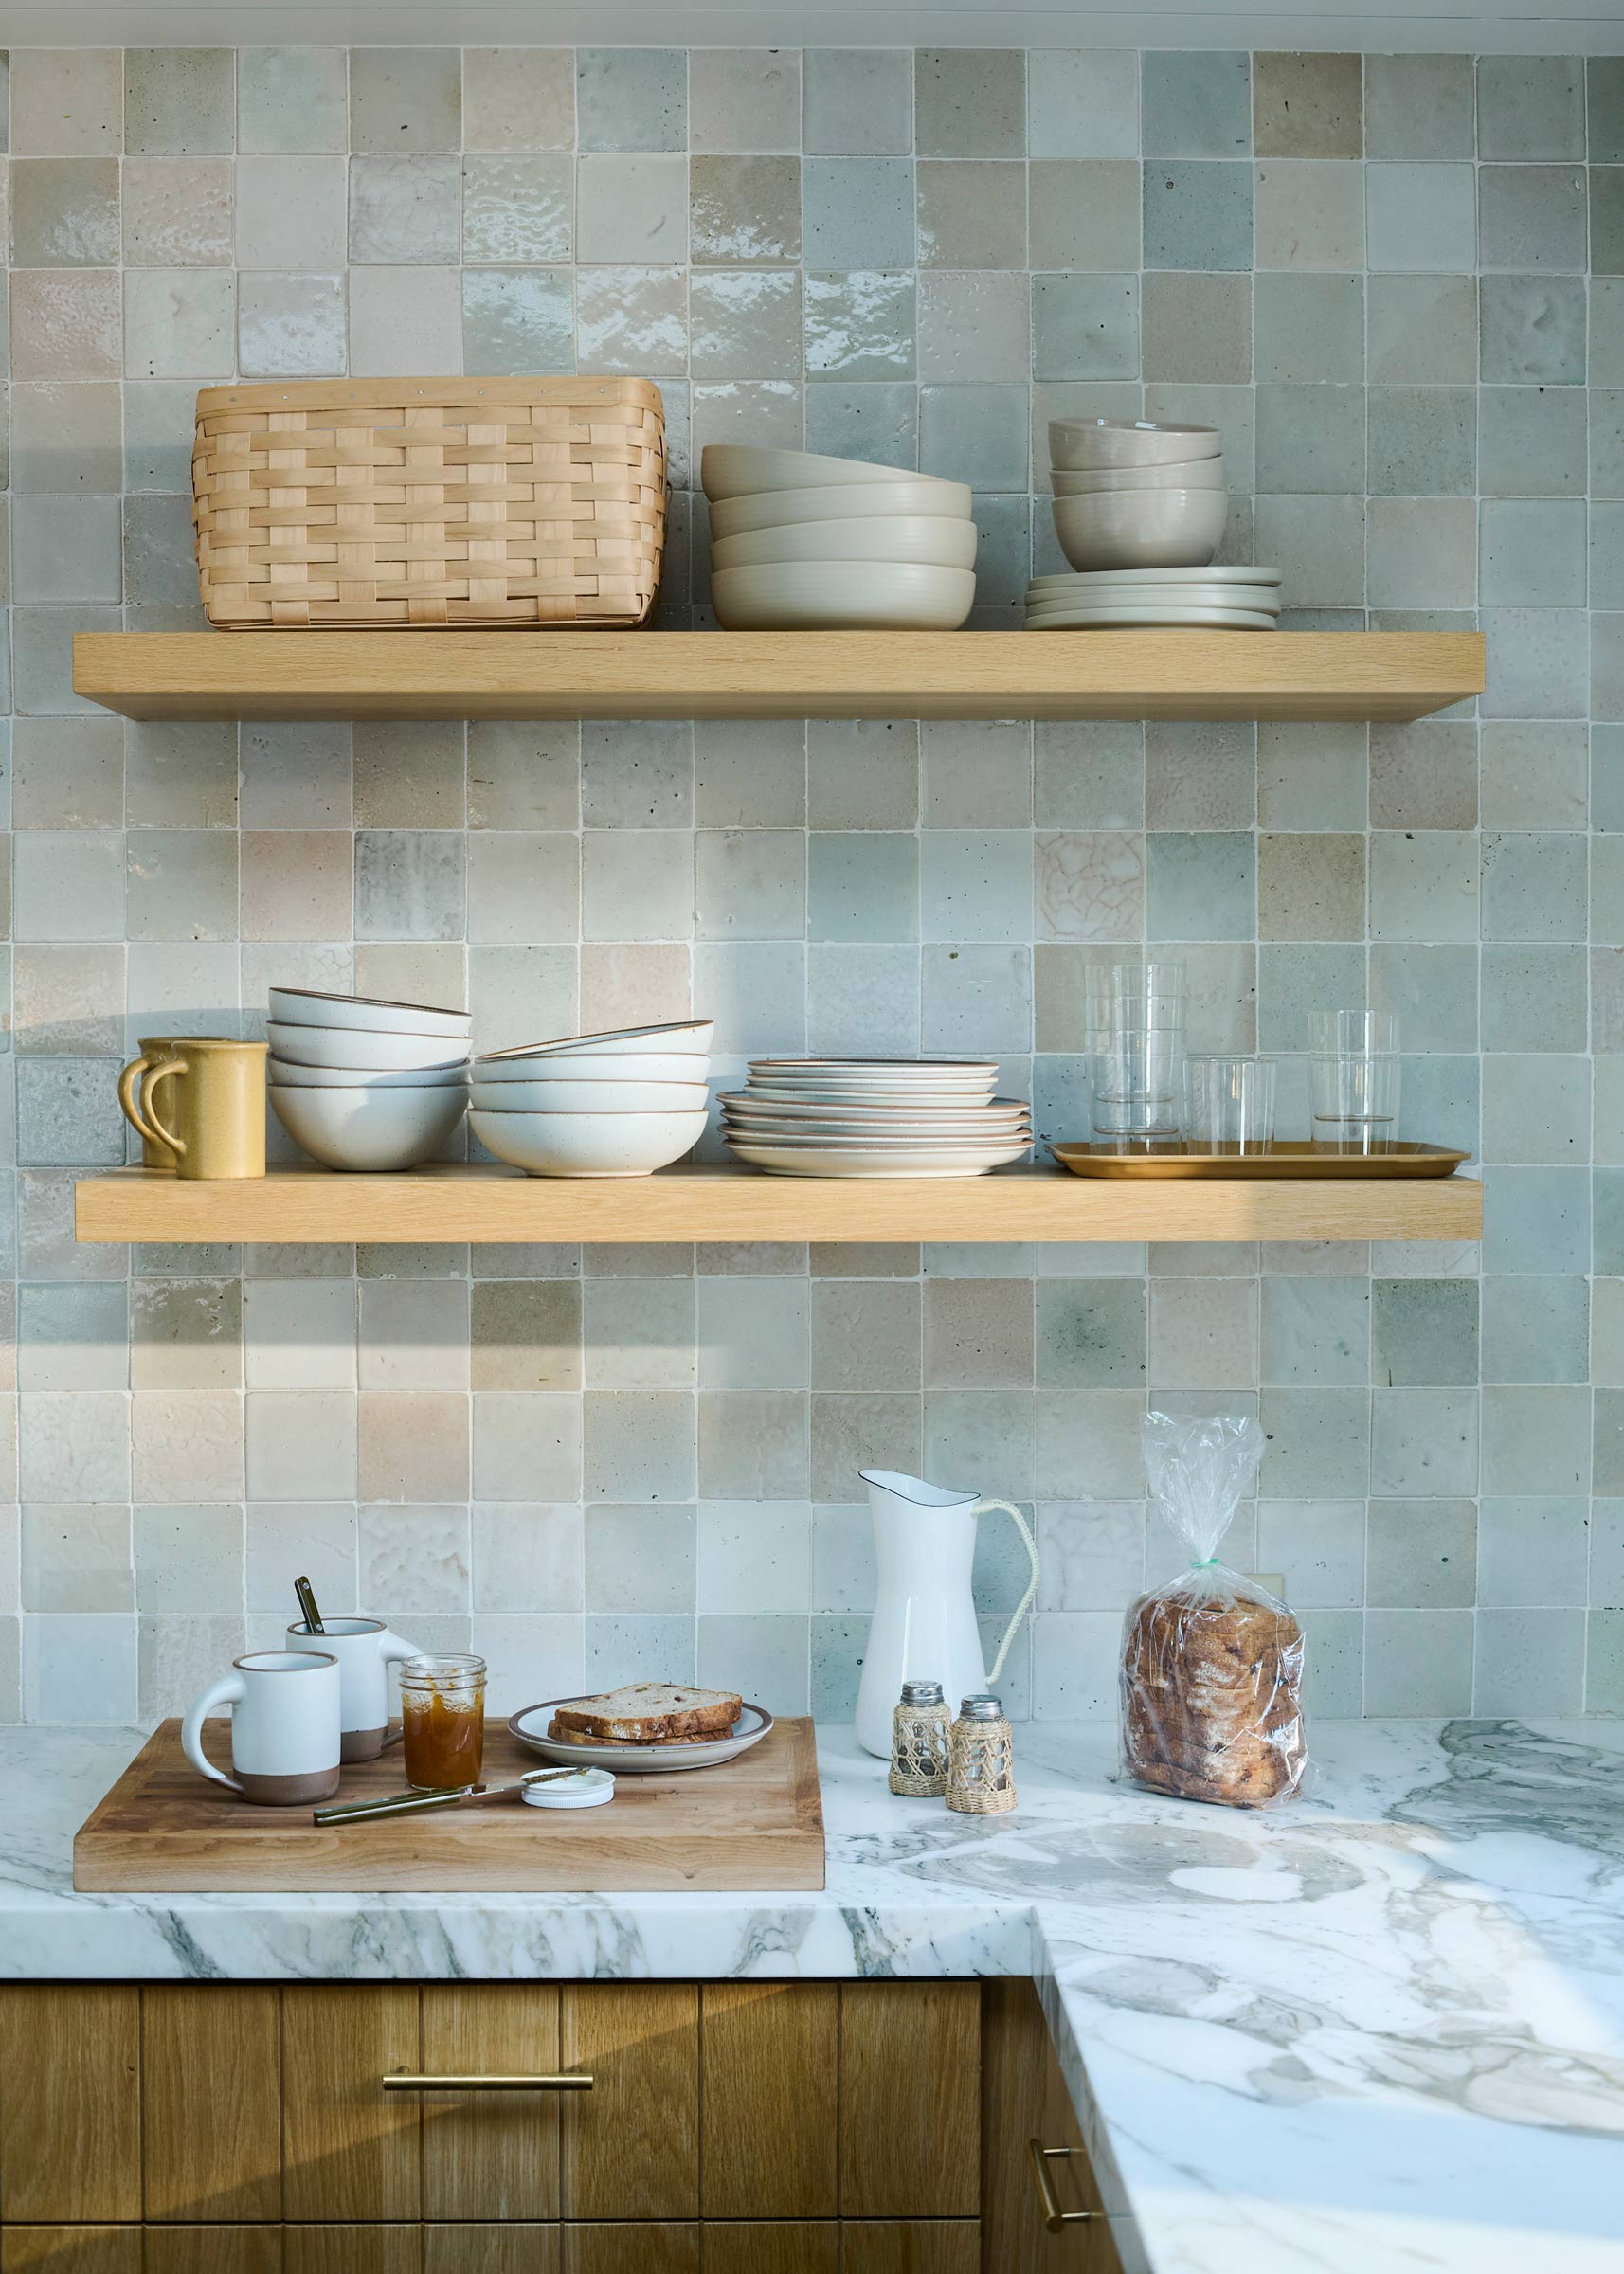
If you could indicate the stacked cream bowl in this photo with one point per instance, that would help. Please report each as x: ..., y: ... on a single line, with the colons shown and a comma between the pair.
x: 804, y: 543
x: 621, y: 1104
x: 1130, y: 493
x: 363, y: 1084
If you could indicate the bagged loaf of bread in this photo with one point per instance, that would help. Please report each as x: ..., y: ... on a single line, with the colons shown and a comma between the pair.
x: 1212, y: 1664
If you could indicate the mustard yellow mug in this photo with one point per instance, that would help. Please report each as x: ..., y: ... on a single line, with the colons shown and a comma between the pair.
x: 155, y: 1050
x: 205, y: 1104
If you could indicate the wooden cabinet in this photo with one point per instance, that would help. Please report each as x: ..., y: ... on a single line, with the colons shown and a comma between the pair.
x: 746, y: 2127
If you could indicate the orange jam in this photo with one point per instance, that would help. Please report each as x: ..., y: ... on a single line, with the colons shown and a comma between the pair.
x: 442, y: 1718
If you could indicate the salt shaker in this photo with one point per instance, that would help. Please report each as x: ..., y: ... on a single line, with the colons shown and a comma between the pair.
x: 980, y: 1759
x: 919, y: 1742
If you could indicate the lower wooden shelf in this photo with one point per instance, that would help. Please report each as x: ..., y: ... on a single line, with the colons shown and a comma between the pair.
x: 689, y: 1204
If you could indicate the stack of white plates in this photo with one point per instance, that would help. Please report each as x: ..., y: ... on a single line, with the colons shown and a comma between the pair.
x: 1131, y: 494
x: 1225, y: 600
x: 367, y: 1085
x: 875, y: 1117
x: 804, y: 543
x: 620, y: 1104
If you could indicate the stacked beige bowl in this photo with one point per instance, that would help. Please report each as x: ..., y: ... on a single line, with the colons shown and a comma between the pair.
x: 1140, y: 510
x: 363, y: 1084
x: 620, y: 1104
x: 804, y: 543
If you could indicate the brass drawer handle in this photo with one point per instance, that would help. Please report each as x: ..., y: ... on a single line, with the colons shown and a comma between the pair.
x: 568, y: 2082
x: 1055, y: 2218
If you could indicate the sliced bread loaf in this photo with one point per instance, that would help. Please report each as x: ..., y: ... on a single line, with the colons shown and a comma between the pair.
x: 643, y: 1712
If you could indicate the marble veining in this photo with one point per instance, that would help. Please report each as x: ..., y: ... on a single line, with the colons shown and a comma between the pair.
x: 1383, y: 2028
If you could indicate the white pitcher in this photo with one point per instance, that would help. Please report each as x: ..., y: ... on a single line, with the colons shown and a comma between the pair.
x: 924, y: 1625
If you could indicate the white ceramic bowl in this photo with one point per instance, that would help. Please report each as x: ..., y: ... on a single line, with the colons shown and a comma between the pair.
x: 829, y: 596
x: 1142, y: 529
x: 285, y: 1075
x: 1078, y: 444
x: 369, y: 1130
x: 589, y: 1067
x: 587, y: 1145
x: 938, y: 544
x: 588, y: 1097
x: 302, y: 1006
x: 736, y: 470
x: 1178, y: 473
x: 920, y: 497
x: 363, y: 1051
x: 681, y: 1037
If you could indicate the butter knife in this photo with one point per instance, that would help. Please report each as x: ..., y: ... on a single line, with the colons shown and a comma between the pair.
x: 412, y: 1804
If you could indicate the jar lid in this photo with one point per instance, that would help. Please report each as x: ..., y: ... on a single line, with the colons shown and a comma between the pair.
x: 982, y: 1707
x: 922, y: 1693
x: 579, y: 1788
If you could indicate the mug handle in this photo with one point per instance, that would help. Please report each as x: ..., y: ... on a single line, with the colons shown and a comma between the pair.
x: 170, y: 1067
x: 230, y: 1689
x: 1004, y: 1507
x: 130, y: 1101
x: 393, y: 1649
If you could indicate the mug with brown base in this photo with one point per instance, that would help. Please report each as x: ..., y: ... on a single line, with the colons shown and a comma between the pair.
x: 285, y: 1740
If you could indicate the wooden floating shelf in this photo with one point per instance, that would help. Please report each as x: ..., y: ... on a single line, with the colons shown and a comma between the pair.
x: 689, y: 1204
x: 1163, y: 674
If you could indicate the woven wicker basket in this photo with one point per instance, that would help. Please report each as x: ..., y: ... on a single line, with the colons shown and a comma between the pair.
x: 416, y: 502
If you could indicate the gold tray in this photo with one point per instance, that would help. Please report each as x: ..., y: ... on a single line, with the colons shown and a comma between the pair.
x: 1286, y: 1157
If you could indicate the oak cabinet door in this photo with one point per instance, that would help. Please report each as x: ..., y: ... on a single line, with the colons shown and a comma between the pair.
x: 769, y: 2093
x: 70, y: 2251
x: 351, y: 2251
x: 514, y: 2248
x: 637, y: 2247
x: 214, y: 2251
x: 911, y: 2099
x: 631, y: 2145
x: 489, y: 2154
x: 786, y: 2246
x: 211, y: 2102
x: 71, y: 2104
x: 912, y: 2247
x: 349, y: 2149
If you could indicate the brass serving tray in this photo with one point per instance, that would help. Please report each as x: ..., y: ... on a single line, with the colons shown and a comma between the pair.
x: 1286, y: 1157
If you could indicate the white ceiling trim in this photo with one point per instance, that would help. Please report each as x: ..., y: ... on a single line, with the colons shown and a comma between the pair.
x: 1567, y: 26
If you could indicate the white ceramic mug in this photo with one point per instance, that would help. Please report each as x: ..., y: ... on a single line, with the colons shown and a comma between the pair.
x: 284, y: 1728
x: 365, y: 1650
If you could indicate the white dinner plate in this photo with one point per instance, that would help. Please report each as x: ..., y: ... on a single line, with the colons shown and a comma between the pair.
x: 1263, y: 599
x: 1082, y: 580
x: 903, y: 1100
x: 530, y: 1726
x: 1105, y: 619
x: 824, y: 1160
x: 752, y: 1101
x: 890, y: 1069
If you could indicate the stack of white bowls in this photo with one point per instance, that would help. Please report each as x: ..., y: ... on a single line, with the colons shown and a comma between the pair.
x: 804, y: 543
x: 365, y: 1085
x: 1131, y: 494
x: 875, y: 1117
x: 621, y: 1104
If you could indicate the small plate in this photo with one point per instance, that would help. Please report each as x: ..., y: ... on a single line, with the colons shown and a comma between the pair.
x: 906, y: 1160
x: 1105, y: 619
x: 1084, y: 579
x: 530, y: 1726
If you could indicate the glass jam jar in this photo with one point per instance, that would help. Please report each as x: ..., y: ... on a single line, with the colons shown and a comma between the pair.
x: 442, y: 1721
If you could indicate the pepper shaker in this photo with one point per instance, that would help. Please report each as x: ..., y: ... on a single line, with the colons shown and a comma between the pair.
x: 919, y: 1742
x: 980, y: 1759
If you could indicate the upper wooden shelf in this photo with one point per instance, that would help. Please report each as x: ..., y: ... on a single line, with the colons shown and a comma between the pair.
x: 689, y: 1203
x: 777, y: 675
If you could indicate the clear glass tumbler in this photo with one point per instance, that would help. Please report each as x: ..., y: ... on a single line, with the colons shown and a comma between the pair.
x: 442, y: 1721
x: 1352, y: 1034
x: 1134, y: 998
x: 1231, y: 1103
x: 1138, y: 1081
x: 1354, y: 1079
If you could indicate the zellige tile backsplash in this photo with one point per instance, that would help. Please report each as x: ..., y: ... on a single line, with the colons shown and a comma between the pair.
x: 1398, y: 285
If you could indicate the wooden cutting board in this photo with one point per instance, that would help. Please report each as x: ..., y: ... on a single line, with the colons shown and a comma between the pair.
x: 756, y: 1821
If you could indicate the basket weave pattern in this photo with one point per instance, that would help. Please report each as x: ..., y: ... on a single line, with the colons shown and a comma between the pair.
x: 422, y: 502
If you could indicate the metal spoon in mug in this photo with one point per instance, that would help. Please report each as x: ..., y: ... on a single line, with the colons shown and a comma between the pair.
x: 307, y: 1604
x: 411, y: 1804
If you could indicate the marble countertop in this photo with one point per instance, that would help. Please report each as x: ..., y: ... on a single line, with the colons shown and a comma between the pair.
x: 1381, y: 2028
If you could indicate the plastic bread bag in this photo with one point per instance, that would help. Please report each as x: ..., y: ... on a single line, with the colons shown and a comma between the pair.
x: 1212, y: 1664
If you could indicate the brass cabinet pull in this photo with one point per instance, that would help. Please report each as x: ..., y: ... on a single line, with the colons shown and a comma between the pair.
x: 568, y: 2082
x: 1055, y: 2218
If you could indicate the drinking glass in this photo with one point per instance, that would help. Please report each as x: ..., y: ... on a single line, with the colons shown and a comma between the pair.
x: 1231, y: 1103
x: 1354, y: 1073
x: 1135, y: 997
x: 1134, y: 1038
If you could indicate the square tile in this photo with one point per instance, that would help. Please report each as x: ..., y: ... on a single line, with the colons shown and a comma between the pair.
x: 1530, y: 106
x: 857, y: 100
x: 1194, y: 105
x: 632, y: 98
x: 1197, y: 215
x: 1420, y: 217
x: 406, y: 99
x: 178, y: 101
x: 1307, y: 106
x: 857, y: 213
x: 1084, y: 103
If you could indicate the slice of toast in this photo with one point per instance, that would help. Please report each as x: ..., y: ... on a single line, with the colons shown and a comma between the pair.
x: 642, y: 1711
x: 560, y: 1736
